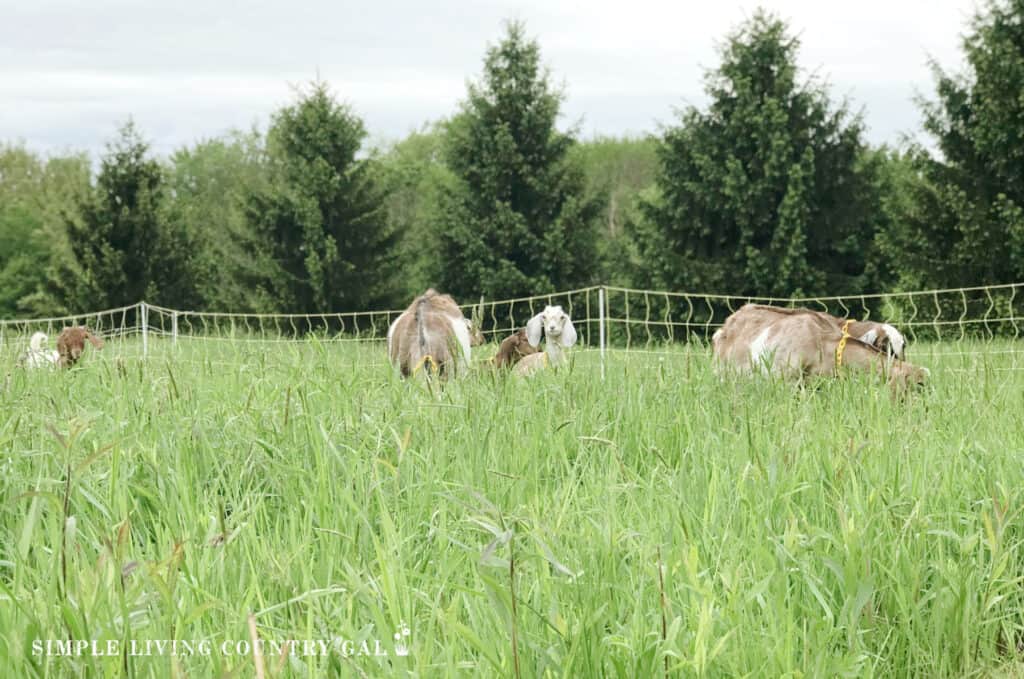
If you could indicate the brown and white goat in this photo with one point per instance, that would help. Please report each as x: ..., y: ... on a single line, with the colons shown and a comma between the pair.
x: 71, y: 344
x: 513, y: 349
x: 882, y: 336
x: 559, y: 334
x: 795, y: 345
x: 431, y: 335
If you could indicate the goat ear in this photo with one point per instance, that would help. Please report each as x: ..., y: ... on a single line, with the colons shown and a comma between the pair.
x: 96, y: 341
x: 477, y: 314
x: 568, y: 333
x: 534, y: 328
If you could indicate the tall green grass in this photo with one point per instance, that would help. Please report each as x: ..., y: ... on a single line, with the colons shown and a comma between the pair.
x: 660, y: 521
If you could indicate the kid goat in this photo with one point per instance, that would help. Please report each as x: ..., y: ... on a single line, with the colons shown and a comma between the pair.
x: 559, y: 334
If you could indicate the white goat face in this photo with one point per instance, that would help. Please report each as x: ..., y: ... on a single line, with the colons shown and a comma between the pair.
x: 556, y: 326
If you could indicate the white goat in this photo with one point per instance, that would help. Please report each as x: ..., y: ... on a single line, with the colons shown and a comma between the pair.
x: 37, y: 356
x: 559, y: 334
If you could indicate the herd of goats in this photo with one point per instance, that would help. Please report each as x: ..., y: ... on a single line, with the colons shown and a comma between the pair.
x: 433, y: 337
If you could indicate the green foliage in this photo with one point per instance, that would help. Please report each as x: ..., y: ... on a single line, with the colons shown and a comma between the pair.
x: 764, y: 192
x: 413, y: 175
x: 35, y: 194
x: 517, y: 220
x: 123, y: 250
x: 21, y: 250
x: 963, y: 222
x: 829, y: 531
x: 322, y: 218
x: 618, y: 171
x: 209, y: 183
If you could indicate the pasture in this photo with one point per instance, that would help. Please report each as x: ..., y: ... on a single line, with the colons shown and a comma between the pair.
x: 658, y: 521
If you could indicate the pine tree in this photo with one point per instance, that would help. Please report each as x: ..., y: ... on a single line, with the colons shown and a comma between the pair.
x: 764, y: 193
x: 963, y: 223
x: 517, y: 220
x: 122, y: 250
x: 323, y: 216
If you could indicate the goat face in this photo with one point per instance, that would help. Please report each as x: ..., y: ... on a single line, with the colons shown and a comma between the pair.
x: 476, y: 337
x: 556, y: 326
x: 886, y: 338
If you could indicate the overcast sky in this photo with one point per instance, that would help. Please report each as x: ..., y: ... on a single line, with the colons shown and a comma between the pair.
x: 70, y: 71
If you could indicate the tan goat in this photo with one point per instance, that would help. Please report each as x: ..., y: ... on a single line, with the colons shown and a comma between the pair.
x: 882, y: 336
x: 795, y: 344
x: 432, y: 336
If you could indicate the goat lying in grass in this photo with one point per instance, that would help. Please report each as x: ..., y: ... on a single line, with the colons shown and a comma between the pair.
x: 882, y: 336
x: 37, y: 356
x: 71, y: 344
x: 795, y: 345
x: 513, y: 349
x: 432, y: 335
x: 559, y: 334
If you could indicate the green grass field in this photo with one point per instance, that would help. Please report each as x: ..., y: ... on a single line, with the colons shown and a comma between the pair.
x: 660, y: 520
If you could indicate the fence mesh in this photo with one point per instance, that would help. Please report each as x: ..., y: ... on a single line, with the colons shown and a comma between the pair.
x: 983, y: 321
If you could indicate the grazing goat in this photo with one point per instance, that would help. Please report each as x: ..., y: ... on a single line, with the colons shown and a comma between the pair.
x: 801, y: 344
x: 513, y: 349
x: 559, y: 334
x: 882, y: 336
x: 37, y: 356
x: 71, y: 344
x: 431, y: 335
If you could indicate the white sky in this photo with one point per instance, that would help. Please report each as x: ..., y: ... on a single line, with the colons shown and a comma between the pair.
x: 70, y: 71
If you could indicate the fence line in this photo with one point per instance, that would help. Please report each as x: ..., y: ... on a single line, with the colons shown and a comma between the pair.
x: 605, y: 317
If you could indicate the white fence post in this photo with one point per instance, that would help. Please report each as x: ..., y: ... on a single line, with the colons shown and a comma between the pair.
x: 600, y: 324
x: 144, y: 315
x: 174, y: 327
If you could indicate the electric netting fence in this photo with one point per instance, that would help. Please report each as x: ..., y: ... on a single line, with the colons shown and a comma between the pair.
x: 983, y: 322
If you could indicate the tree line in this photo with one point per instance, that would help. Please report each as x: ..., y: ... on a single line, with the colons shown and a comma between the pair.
x: 769, y: 189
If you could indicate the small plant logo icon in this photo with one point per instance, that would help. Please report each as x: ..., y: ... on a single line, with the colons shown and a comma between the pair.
x: 401, y: 639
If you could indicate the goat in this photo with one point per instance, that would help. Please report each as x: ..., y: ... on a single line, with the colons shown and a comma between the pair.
x: 71, y: 344
x: 476, y: 336
x: 431, y: 335
x: 796, y: 345
x: 880, y: 335
x: 37, y: 356
x: 513, y: 349
x: 559, y: 334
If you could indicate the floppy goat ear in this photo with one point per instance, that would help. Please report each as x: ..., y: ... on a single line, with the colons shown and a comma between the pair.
x: 568, y: 333
x: 870, y: 337
x: 534, y: 328
x: 96, y: 341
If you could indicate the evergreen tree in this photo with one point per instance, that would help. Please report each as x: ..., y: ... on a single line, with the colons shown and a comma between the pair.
x: 122, y: 251
x: 323, y: 217
x: 516, y: 219
x: 963, y: 223
x: 765, y: 192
